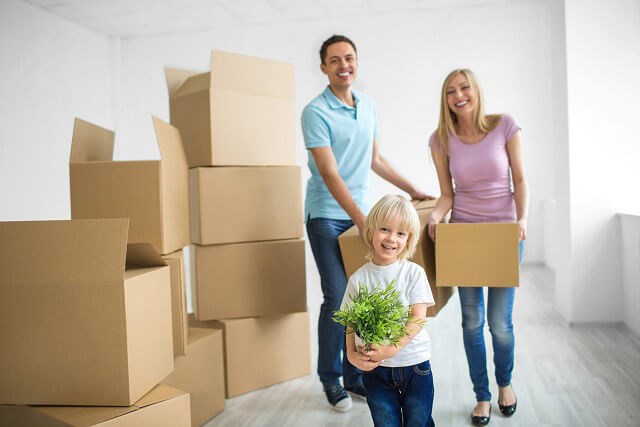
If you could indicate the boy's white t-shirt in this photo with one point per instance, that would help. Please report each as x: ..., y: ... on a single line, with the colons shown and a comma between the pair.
x: 413, y: 288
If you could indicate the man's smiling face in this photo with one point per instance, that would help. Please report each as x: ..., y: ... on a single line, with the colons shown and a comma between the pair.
x: 340, y: 65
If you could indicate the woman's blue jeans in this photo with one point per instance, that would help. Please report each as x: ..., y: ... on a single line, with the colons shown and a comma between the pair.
x: 400, y: 396
x: 499, y: 316
x: 332, y: 358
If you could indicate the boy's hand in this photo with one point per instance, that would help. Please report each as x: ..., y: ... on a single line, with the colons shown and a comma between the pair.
x: 362, y: 361
x: 378, y: 353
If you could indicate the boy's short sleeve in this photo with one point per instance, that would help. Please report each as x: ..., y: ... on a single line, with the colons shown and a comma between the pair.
x: 349, y: 293
x: 315, y: 129
x: 420, y: 292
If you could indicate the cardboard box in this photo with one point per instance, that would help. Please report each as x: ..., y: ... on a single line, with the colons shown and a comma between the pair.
x: 239, y: 114
x: 84, y: 318
x: 477, y: 255
x: 282, y: 341
x: 161, y: 407
x: 201, y: 373
x: 153, y: 194
x: 175, y: 261
x: 248, y: 279
x: 245, y: 204
x: 354, y: 252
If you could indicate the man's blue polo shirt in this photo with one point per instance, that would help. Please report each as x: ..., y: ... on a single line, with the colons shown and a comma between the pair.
x: 349, y: 131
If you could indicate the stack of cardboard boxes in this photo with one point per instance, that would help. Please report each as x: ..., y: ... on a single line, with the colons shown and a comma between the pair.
x: 247, y: 259
x: 86, y: 318
x: 154, y: 195
x: 93, y: 314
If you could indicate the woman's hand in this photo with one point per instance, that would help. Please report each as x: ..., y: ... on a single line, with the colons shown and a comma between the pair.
x: 431, y: 227
x: 522, y: 229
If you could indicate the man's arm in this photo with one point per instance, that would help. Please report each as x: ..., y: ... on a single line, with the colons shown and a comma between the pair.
x: 328, y: 168
x: 384, y: 170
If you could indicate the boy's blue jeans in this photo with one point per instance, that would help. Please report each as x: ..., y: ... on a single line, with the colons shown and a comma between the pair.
x: 400, y: 396
x: 499, y: 316
x: 332, y: 357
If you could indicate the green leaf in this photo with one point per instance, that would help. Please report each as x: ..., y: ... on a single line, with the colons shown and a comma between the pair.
x: 376, y: 315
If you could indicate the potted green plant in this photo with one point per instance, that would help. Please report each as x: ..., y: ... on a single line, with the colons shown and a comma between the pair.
x: 375, y: 315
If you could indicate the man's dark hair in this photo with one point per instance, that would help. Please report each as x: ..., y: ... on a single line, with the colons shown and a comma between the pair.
x: 331, y: 40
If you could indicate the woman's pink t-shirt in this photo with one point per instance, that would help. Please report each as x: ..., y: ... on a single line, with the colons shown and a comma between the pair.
x: 482, y: 176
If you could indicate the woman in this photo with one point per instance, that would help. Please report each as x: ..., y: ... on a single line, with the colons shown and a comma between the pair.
x: 482, y: 154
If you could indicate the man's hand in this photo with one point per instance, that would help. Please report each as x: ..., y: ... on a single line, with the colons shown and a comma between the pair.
x: 419, y: 195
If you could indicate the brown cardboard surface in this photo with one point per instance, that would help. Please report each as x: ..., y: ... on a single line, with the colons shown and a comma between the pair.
x: 477, y: 255
x: 163, y: 406
x: 354, y: 252
x: 175, y: 261
x: 248, y: 279
x: 424, y: 204
x: 153, y: 194
x: 244, y: 204
x: 282, y: 340
x: 212, y: 111
x: 76, y: 327
x: 201, y: 373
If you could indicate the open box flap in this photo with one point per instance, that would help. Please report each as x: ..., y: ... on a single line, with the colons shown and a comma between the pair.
x: 141, y: 255
x: 181, y: 82
x: 170, y: 145
x: 90, y: 142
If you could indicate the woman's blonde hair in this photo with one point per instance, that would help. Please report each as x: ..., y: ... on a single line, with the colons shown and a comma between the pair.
x: 393, y: 207
x: 448, y: 119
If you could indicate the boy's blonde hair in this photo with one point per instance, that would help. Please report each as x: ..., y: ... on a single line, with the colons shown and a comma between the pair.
x: 393, y: 207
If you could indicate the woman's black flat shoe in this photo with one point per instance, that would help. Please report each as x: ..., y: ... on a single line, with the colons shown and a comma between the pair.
x: 478, y: 420
x: 508, y: 410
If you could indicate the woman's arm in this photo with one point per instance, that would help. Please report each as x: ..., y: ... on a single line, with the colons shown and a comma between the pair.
x: 520, y: 185
x: 445, y: 202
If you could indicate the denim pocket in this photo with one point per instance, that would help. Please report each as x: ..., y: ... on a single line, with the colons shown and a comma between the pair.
x: 423, y: 368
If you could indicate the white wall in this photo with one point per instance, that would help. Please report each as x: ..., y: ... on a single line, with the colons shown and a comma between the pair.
x: 603, y: 58
x: 630, y: 227
x: 557, y: 226
x: 51, y: 71
x: 403, y: 59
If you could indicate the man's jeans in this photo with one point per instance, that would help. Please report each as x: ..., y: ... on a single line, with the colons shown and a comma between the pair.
x: 400, y: 396
x: 332, y: 358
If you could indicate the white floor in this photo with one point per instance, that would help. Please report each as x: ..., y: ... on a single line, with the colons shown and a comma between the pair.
x: 564, y: 376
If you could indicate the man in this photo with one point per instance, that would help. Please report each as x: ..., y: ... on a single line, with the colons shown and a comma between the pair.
x: 340, y: 129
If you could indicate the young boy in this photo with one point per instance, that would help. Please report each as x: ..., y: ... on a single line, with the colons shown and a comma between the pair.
x: 398, y: 377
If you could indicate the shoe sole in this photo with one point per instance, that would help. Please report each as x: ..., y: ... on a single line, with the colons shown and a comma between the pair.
x: 345, y: 408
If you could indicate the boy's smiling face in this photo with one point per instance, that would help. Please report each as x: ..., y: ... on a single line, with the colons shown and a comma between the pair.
x: 388, y: 240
